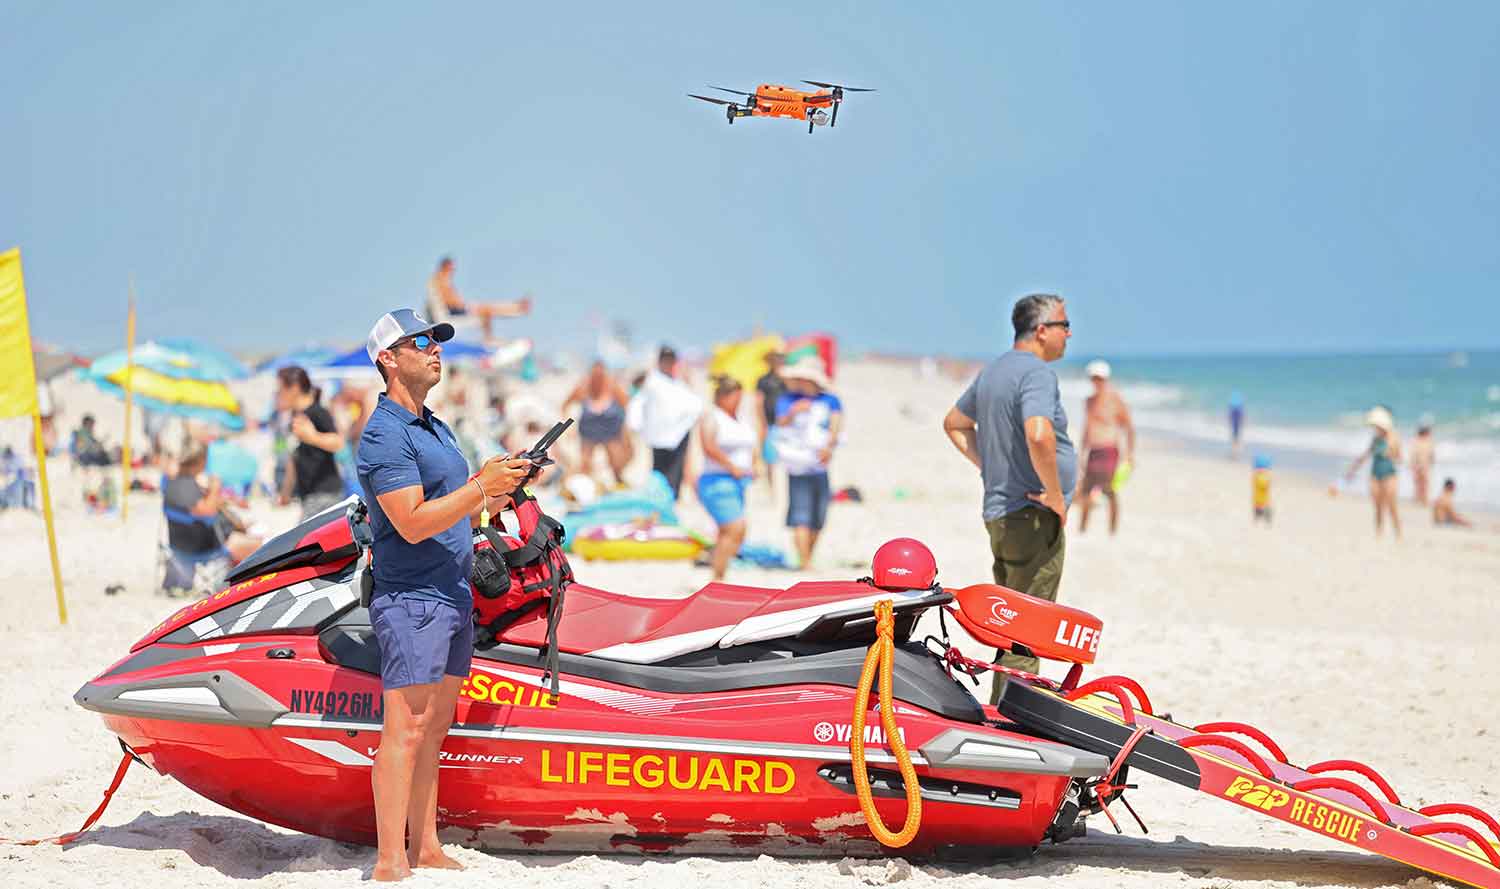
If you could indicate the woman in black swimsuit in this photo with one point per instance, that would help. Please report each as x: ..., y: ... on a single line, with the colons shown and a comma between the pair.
x: 601, y: 420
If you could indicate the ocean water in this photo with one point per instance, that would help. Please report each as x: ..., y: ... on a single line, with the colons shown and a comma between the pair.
x: 1307, y: 411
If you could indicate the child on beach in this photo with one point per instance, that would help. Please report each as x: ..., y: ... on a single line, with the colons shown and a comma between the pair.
x: 1260, y: 489
x: 1443, y: 512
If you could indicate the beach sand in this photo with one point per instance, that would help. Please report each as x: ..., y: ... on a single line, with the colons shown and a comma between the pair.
x: 1338, y: 644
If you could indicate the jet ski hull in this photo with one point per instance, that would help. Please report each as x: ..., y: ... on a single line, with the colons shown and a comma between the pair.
x: 269, y: 727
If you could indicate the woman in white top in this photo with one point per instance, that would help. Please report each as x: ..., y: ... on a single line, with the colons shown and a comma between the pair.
x: 728, y: 466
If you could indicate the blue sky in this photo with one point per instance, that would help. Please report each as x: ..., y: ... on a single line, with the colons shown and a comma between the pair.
x: 1191, y: 176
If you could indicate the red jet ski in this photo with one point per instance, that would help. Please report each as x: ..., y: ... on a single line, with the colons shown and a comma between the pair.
x: 735, y: 719
x: 716, y: 722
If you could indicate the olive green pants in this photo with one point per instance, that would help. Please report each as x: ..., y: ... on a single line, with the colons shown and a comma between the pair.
x: 1028, y: 546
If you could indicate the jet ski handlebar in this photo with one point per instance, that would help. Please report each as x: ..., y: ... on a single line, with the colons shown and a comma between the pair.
x: 359, y: 525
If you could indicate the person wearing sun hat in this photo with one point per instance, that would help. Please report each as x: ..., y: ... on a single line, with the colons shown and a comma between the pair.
x: 1383, y: 453
x: 808, y: 421
x: 422, y: 503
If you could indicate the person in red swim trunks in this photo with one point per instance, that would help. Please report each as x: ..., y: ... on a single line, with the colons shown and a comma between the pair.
x: 1105, y: 419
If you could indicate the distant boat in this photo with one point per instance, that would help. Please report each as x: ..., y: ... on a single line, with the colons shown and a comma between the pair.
x: 1458, y: 359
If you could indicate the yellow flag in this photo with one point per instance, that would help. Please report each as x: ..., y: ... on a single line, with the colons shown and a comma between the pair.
x: 17, y: 372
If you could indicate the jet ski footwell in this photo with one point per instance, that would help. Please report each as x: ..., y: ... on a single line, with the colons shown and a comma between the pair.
x: 1103, y: 717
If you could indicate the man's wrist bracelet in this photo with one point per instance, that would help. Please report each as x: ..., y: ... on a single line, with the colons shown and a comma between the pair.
x: 482, y: 496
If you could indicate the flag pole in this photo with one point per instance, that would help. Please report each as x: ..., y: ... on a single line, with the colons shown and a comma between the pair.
x: 41, y: 474
x: 129, y: 391
x: 18, y: 395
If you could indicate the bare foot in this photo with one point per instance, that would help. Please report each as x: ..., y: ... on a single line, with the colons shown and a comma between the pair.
x: 390, y: 872
x: 438, y: 859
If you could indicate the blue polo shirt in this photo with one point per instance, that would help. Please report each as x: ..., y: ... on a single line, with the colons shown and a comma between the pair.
x: 398, y: 450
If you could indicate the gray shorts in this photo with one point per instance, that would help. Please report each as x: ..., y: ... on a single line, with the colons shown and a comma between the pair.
x: 421, y: 640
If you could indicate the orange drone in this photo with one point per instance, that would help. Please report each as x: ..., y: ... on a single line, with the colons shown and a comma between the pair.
x: 774, y: 100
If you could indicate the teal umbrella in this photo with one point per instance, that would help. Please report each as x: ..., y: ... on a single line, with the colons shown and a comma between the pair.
x: 182, y: 383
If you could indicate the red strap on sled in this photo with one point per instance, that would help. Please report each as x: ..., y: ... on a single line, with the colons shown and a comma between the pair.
x: 1256, y: 761
x: 1359, y: 768
x: 103, y: 804
x: 1464, y: 809
x: 1488, y: 848
x: 1249, y: 731
x: 1307, y: 785
x: 1142, y: 703
x: 1106, y: 787
x: 1104, y: 686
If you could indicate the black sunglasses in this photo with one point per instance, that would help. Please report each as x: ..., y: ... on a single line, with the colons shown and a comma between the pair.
x: 1065, y: 325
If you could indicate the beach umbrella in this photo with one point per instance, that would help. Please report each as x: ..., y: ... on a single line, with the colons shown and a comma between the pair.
x: 204, y: 400
x: 179, y: 383
x: 194, y: 362
x: 814, y: 346
x: 355, y: 364
x: 744, y: 361
x: 351, y: 365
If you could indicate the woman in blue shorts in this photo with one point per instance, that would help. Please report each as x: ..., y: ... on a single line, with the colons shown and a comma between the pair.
x: 728, y: 467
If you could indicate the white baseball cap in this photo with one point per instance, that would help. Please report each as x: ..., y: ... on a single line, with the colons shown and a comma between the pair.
x: 1097, y: 368
x: 398, y: 324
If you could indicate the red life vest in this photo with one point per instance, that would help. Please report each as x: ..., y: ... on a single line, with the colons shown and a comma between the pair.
x: 513, y: 574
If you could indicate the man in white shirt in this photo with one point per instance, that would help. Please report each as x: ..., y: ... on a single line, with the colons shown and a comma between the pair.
x: 664, y: 412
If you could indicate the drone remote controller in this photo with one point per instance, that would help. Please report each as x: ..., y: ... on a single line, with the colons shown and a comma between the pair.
x: 537, y: 453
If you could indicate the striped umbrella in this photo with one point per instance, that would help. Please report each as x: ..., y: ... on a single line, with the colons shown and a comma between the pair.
x: 173, y: 381
x: 355, y: 364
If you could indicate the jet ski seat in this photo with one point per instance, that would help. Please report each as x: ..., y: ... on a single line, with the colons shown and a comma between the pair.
x: 653, y: 630
x: 594, y: 620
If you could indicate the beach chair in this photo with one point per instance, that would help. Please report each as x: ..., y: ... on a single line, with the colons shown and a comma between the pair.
x: 184, y: 573
x: 17, y: 490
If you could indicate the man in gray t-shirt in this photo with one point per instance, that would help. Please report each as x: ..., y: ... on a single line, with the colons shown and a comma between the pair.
x: 1010, y: 423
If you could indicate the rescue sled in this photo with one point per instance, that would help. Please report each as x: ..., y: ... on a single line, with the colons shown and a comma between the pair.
x: 1342, y: 799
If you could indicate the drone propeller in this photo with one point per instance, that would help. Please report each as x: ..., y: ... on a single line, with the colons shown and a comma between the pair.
x: 838, y: 96
x: 736, y: 92
x: 837, y: 86
x: 731, y: 109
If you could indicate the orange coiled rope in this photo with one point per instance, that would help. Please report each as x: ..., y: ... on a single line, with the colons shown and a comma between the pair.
x: 882, y: 655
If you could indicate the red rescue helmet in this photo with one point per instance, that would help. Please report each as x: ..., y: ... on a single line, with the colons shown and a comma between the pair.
x: 903, y: 564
